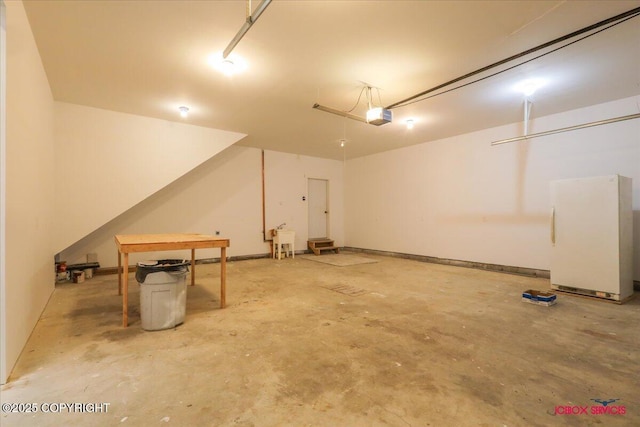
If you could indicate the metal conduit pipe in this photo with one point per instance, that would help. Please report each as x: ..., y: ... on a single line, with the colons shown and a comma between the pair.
x: 264, y: 201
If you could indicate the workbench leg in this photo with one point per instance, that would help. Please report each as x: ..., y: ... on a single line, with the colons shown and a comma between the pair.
x: 193, y: 267
x: 119, y: 274
x: 125, y: 294
x: 223, y: 277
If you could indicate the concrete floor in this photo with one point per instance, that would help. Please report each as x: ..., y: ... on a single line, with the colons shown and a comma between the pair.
x: 421, y: 345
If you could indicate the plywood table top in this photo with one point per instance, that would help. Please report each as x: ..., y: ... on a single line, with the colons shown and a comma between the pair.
x: 151, y: 242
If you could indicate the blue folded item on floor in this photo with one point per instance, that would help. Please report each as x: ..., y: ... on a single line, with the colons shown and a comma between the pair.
x: 539, y: 297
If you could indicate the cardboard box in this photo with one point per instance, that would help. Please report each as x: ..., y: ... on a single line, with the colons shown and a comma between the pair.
x: 539, y: 297
x: 78, y: 276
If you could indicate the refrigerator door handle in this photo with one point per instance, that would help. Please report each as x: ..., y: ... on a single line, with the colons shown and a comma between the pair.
x: 553, y: 226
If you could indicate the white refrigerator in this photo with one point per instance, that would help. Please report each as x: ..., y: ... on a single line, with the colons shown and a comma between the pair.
x: 591, y: 236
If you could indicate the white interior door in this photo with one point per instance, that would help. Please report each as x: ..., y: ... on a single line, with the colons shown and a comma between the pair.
x: 318, y: 208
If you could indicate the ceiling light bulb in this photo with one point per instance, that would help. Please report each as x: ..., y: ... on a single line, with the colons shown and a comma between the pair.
x: 410, y: 124
x: 227, y: 66
x: 530, y: 86
x: 184, y: 111
x: 230, y: 65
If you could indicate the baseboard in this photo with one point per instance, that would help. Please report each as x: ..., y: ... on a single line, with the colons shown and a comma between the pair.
x: 233, y: 258
x: 132, y: 268
x: 522, y: 271
x: 103, y: 271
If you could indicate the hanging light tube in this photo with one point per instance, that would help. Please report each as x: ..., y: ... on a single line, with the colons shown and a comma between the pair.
x: 339, y: 113
x: 251, y: 19
x: 567, y: 129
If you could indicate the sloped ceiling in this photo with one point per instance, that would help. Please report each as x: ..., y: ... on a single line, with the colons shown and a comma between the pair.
x: 150, y: 57
x: 138, y: 156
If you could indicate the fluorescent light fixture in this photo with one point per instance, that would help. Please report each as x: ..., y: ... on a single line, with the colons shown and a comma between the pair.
x: 251, y: 19
x: 530, y: 86
x: 184, y: 111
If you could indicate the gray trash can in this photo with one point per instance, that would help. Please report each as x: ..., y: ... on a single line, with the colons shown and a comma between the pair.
x: 163, y: 293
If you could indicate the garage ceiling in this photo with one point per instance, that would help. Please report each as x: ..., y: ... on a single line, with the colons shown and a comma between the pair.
x: 150, y: 57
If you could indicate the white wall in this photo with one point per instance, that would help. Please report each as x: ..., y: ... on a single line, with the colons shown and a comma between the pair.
x: 460, y: 198
x: 106, y: 162
x: 3, y: 187
x: 29, y: 200
x: 287, y: 178
x: 223, y: 194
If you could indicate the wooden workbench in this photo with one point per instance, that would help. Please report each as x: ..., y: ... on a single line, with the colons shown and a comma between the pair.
x: 166, y: 242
